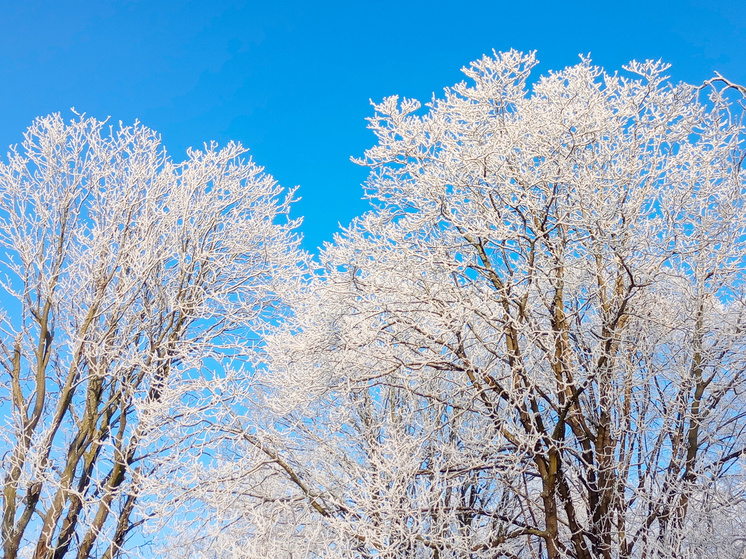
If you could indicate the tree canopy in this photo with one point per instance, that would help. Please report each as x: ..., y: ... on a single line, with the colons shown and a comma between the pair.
x: 531, y: 346
x: 125, y: 276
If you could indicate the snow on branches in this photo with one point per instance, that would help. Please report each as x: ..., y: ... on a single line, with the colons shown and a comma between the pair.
x: 533, y: 346
x: 128, y: 283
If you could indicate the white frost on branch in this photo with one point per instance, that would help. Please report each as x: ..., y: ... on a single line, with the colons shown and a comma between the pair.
x: 130, y: 283
x: 532, y: 346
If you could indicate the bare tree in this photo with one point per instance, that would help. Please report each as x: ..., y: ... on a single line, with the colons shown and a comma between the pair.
x: 129, y: 281
x: 533, y: 346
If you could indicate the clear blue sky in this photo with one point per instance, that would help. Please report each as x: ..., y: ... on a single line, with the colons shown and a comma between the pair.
x: 292, y: 81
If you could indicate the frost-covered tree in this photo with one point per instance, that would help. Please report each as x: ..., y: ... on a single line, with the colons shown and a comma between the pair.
x: 532, y: 346
x: 128, y: 282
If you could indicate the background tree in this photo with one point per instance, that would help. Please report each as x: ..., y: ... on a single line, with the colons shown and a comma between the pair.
x: 129, y: 281
x: 533, y: 346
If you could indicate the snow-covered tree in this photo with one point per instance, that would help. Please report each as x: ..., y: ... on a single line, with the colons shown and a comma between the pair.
x: 128, y: 282
x: 532, y: 346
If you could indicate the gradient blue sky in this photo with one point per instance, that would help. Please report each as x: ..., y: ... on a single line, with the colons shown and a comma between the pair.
x: 293, y: 80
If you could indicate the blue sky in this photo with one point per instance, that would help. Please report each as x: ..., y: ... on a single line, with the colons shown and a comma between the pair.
x: 293, y: 80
